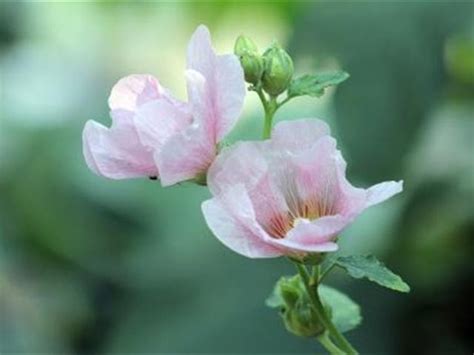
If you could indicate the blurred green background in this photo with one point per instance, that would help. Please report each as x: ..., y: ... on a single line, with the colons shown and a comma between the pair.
x: 90, y: 265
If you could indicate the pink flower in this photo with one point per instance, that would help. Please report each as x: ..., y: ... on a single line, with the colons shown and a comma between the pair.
x: 286, y: 196
x: 154, y: 134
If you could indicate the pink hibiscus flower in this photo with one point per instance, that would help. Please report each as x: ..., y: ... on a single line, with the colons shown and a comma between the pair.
x: 286, y: 196
x: 154, y: 134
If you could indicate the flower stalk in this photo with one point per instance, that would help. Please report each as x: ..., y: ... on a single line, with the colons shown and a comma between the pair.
x: 270, y: 106
x: 311, y: 284
x: 326, y: 341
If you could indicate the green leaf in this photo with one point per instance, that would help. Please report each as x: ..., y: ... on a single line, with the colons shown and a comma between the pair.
x: 314, y: 84
x: 360, y: 266
x: 345, y: 313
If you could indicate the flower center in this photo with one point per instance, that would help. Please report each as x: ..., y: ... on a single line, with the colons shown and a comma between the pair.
x: 280, y: 224
x: 306, y: 212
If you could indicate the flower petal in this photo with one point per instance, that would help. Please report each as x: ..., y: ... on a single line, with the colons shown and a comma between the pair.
x: 229, y: 93
x: 308, y: 178
x: 245, y: 164
x: 156, y: 121
x: 116, y: 152
x: 201, y: 56
x: 134, y: 90
x: 299, y: 134
x: 231, y: 218
x: 199, y: 102
x: 383, y: 191
x: 185, y: 155
x: 224, y: 86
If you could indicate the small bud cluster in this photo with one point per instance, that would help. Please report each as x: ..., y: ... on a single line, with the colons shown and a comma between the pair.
x: 273, y: 70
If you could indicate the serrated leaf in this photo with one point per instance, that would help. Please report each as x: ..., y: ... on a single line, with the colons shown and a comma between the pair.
x: 359, y: 266
x: 345, y: 313
x: 314, y: 84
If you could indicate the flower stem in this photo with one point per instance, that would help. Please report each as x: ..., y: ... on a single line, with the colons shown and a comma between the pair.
x: 328, y: 344
x: 267, y: 126
x: 269, y: 106
x: 311, y: 284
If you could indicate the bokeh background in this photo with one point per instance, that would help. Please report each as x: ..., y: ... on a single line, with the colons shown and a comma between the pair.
x: 89, y: 265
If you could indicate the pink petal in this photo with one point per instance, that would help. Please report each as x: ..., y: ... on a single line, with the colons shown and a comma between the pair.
x: 199, y: 101
x: 229, y: 92
x: 116, y: 152
x: 156, y: 121
x: 231, y: 218
x: 222, y: 96
x: 299, y: 134
x: 316, y: 170
x: 245, y: 164
x: 185, y: 155
x: 296, y: 248
x: 351, y: 199
x: 321, y: 176
x: 383, y: 191
x: 201, y: 56
x: 134, y: 90
x: 309, y: 178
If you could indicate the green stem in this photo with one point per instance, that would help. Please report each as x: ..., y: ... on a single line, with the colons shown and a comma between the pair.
x: 328, y: 344
x: 320, y: 311
x: 269, y: 106
x: 267, y: 126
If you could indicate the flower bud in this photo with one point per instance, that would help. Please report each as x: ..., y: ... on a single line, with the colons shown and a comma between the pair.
x: 251, y: 61
x: 300, y: 320
x: 295, y: 307
x: 253, y: 67
x: 244, y: 45
x: 278, y: 70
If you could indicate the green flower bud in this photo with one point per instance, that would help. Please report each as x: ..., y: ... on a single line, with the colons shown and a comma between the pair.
x: 244, y: 45
x: 290, y: 297
x: 251, y: 61
x: 300, y: 320
x: 253, y: 67
x: 278, y: 70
